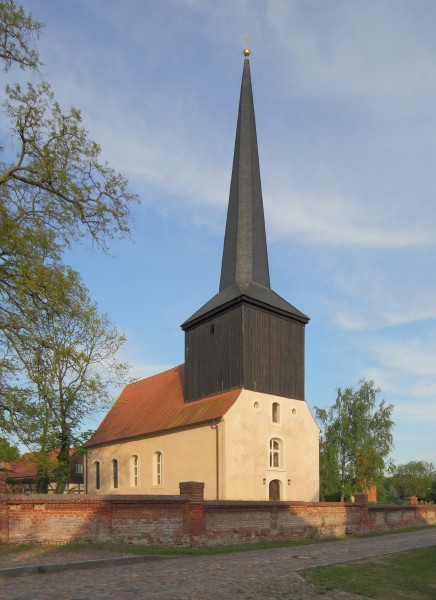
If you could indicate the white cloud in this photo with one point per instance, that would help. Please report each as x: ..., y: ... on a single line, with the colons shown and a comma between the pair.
x: 405, y: 371
x: 416, y: 411
x: 322, y: 216
x: 351, y: 320
x: 415, y: 356
x: 365, y: 50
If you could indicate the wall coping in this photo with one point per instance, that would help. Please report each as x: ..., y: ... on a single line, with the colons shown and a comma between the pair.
x: 279, y: 504
x: 399, y: 506
x: 92, y: 499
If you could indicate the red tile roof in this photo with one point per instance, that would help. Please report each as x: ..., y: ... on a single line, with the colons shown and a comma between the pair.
x: 22, y: 469
x: 156, y: 404
x: 26, y: 466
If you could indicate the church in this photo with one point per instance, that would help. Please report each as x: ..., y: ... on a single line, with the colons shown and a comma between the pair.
x: 234, y: 416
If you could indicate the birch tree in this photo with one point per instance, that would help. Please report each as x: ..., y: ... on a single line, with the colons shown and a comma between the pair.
x: 356, y: 440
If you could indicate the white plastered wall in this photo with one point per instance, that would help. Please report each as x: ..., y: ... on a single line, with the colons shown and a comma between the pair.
x: 186, y: 455
x: 248, y: 430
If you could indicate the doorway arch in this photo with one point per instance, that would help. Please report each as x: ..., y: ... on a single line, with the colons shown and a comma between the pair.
x: 274, y: 490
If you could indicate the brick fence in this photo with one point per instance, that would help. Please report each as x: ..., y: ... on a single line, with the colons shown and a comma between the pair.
x: 382, y: 517
x: 189, y: 520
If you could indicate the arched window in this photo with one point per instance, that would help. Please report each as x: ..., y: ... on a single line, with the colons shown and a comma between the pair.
x: 275, y: 453
x: 157, y: 468
x: 97, y: 475
x: 115, y: 474
x: 275, y: 416
x: 134, y: 470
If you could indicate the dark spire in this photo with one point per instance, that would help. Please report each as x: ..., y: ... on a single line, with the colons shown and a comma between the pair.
x: 245, y: 257
x: 244, y: 270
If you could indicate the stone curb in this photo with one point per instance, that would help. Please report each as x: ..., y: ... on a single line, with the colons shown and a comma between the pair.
x: 79, y: 565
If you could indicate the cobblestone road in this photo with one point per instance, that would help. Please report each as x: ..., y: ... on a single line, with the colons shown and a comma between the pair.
x: 255, y: 575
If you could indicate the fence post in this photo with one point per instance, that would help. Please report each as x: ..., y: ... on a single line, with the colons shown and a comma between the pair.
x: 362, y: 499
x: 4, y: 514
x: 2, y: 479
x: 194, y: 521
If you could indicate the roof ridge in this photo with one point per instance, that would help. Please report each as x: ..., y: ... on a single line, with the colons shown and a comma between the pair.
x: 157, y: 374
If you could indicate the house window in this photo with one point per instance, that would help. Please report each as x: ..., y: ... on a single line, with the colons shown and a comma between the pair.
x: 157, y: 468
x: 135, y: 470
x: 275, y: 416
x: 115, y: 474
x: 275, y: 453
x: 97, y: 475
x: 79, y: 469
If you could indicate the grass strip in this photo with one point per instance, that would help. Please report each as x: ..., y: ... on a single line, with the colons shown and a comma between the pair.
x: 408, y: 575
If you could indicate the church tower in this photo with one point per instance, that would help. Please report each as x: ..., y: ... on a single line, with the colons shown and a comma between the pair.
x: 246, y: 336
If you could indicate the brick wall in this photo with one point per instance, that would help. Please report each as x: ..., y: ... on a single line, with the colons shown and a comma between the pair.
x: 43, y: 519
x: 385, y: 517
x: 188, y: 520
x: 244, y: 522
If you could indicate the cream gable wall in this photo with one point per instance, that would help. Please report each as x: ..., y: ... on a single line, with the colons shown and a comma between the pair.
x: 241, y: 442
x: 248, y: 431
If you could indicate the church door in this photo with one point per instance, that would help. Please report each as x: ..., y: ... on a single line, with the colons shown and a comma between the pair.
x: 274, y: 490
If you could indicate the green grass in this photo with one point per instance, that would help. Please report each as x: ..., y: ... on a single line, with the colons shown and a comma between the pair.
x: 203, y: 551
x: 408, y: 575
x: 153, y: 550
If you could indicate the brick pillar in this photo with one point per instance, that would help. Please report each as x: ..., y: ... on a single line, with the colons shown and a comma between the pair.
x: 2, y: 481
x: 4, y: 521
x: 4, y: 514
x: 193, y: 522
x: 362, y: 499
x: 412, y: 500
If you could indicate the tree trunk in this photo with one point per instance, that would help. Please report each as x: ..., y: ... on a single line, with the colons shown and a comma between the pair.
x: 62, y: 473
x: 42, y: 480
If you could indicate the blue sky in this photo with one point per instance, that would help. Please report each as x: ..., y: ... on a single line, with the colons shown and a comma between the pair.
x: 345, y: 99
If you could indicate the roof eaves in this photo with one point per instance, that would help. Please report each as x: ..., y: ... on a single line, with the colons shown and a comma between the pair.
x: 150, y: 434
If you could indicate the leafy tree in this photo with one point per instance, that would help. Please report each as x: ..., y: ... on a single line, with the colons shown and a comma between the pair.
x: 356, y: 440
x: 17, y: 35
x: 54, y: 191
x: 432, y: 492
x: 413, y: 479
x: 8, y: 452
x: 54, y: 187
x: 69, y: 358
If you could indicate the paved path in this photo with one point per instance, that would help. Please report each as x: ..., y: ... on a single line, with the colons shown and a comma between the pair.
x: 255, y: 575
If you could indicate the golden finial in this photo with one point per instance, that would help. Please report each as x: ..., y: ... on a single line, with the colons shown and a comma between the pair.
x: 246, y: 49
